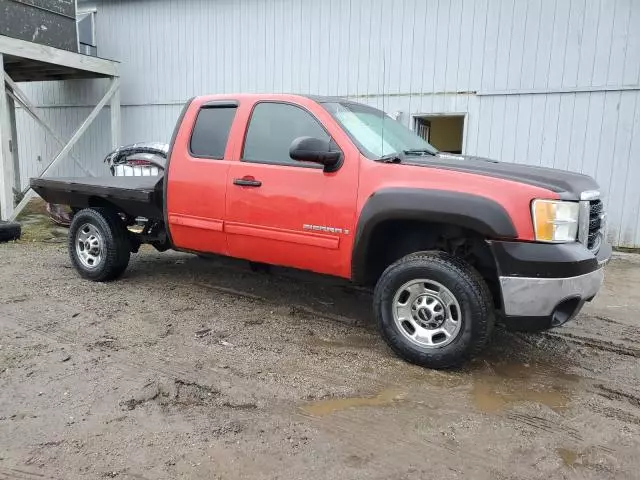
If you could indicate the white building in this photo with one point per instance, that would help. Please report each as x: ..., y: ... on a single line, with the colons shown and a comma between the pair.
x: 543, y: 82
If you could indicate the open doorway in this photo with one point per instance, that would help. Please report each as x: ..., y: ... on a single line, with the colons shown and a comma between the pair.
x: 445, y: 132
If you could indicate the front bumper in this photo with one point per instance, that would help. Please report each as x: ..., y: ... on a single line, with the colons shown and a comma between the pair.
x: 546, y: 285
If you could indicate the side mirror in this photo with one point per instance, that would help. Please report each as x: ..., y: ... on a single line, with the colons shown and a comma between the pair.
x: 309, y: 149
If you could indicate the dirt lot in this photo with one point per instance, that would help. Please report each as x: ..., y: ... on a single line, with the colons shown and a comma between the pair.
x: 191, y: 368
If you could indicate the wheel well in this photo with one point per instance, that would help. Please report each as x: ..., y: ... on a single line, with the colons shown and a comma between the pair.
x: 393, y: 239
x: 99, y: 202
x: 151, y: 231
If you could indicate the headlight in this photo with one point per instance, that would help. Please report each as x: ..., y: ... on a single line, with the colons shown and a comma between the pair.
x: 555, y: 221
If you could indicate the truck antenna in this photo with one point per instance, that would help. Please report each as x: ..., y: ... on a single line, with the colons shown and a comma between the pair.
x: 384, y: 114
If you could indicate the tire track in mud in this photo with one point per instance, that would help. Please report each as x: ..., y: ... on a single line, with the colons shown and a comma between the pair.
x: 596, y: 344
x: 622, y: 329
x: 621, y: 347
x: 142, y: 369
x: 117, y: 358
x: 539, y: 424
x: 364, y: 437
x: 9, y: 473
x: 615, y: 413
x: 137, y: 369
x: 295, y: 308
x: 632, y: 399
x: 271, y: 285
x: 58, y: 332
x: 614, y: 403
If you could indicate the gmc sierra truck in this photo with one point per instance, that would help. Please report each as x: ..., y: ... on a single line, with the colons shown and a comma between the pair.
x: 450, y: 242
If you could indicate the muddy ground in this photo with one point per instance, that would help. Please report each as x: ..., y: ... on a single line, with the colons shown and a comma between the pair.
x: 192, y: 368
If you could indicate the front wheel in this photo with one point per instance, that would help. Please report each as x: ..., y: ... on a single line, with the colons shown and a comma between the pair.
x: 433, y: 309
x: 99, y: 244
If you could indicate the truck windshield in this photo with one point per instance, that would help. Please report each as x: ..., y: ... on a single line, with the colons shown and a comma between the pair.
x: 376, y: 134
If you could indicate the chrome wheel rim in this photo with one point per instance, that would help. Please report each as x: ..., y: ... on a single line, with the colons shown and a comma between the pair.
x: 89, y: 246
x: 427, y: 313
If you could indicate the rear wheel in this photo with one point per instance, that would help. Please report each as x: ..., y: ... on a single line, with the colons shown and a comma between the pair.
x: 99, y: 244
x: 433, y: 309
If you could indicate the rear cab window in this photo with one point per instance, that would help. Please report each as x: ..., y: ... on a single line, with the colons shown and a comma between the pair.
x: 211, y: 131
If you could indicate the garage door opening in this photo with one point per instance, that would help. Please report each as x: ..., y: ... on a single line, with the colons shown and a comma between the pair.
x: 445, y: 132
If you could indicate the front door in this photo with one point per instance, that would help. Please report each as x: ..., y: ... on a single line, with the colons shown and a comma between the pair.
x: 284, y: 212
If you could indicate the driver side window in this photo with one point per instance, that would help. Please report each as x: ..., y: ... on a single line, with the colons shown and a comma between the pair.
x: 272, y: 128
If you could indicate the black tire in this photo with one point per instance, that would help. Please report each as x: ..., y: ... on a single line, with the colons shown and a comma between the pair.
x: 477, y: 315
x: 10, y: 231
x: 115, y: 247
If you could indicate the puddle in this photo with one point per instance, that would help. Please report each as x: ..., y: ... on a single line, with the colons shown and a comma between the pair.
x: 423, y: 377
x: 332, y: 405
x: 569, y: 457
x: 497, y: 386
x: 598, y: 456
x: 488, y: 400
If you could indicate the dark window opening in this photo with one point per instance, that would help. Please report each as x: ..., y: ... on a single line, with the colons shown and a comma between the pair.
x: 211, y: 132
x: 87, y: 33
x: 445, y: 132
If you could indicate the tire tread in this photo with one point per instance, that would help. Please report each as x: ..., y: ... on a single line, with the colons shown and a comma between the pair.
x: 483, y: 324
x: 117, y: 244
x: 10, y: 231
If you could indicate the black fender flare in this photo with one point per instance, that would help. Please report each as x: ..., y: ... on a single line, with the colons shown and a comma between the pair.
x: 472, y: 212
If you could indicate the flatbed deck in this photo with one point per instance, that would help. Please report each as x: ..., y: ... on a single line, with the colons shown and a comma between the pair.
x: 135, y: 196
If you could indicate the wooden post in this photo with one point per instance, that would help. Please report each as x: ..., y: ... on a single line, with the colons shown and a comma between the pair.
x: 6, y: 157
x: 116, y: 140
x: 17, y: 181
x: 23, y: 203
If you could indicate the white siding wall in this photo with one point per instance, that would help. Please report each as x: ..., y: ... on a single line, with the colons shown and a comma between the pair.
x: 543, y: 82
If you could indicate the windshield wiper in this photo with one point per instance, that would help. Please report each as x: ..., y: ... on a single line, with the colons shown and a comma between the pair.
x: 395, y: 157
x: 399, y: 157
x: 419, y: 151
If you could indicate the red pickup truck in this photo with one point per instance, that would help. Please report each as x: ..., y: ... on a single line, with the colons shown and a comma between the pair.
x: 336, y: 187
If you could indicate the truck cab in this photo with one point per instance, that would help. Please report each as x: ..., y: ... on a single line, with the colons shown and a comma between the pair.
x: 449, y: 242
x: 233, y: 188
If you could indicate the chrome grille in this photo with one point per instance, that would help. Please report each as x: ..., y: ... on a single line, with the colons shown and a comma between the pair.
x: 596, y: 222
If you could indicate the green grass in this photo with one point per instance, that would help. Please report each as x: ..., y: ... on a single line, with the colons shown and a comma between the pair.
x: 37, y: 226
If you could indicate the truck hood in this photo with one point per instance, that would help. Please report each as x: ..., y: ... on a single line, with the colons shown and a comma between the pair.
x: 569, y: 185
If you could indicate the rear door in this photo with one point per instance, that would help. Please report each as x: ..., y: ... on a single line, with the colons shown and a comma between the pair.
x: 197, y: 177
x: 284, y: 212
